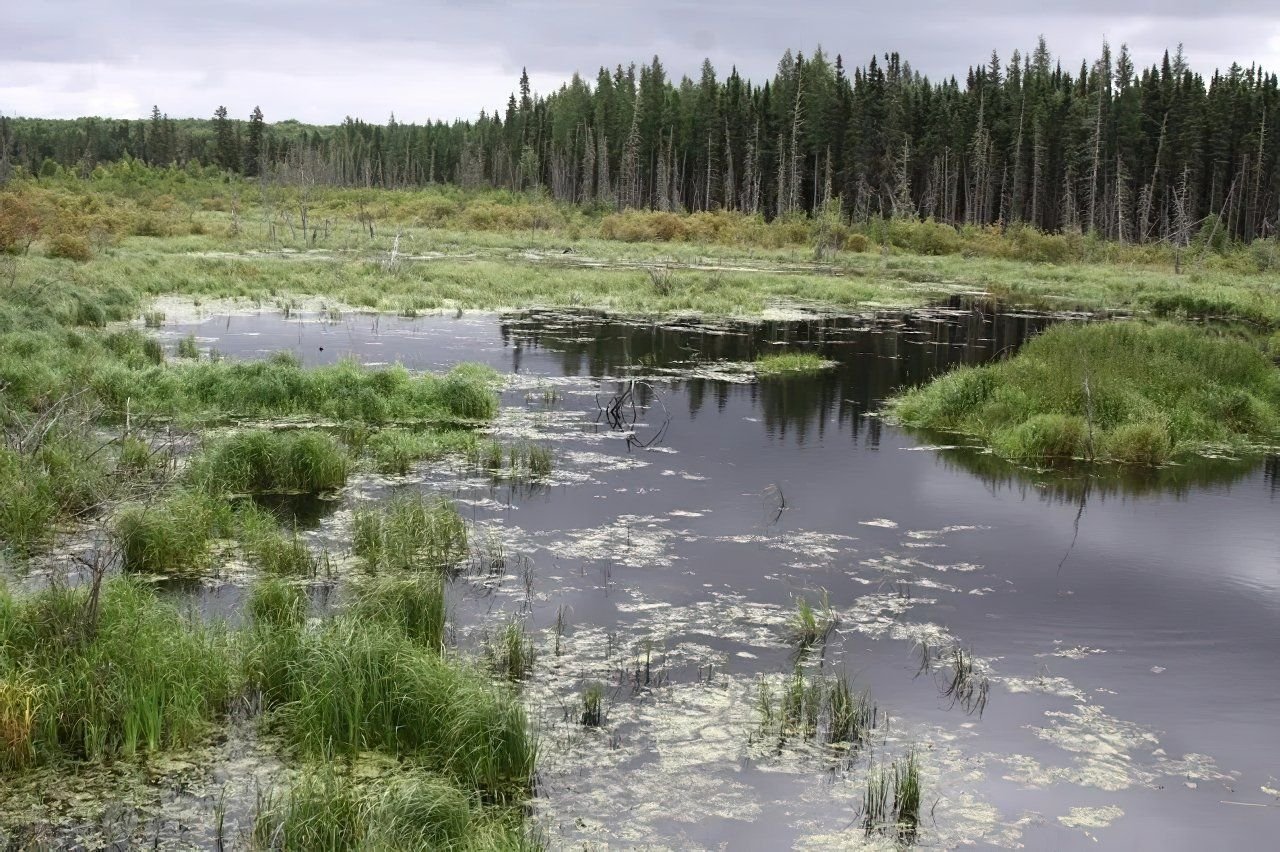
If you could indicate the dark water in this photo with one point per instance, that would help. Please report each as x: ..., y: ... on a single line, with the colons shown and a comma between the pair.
x: 1129, y: 625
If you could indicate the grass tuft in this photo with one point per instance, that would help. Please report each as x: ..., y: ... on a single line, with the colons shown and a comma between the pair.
x: 265, y: 461
x: 411, y: 533
x: 791, y: 363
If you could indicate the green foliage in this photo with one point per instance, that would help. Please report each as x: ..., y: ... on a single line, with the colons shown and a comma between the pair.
x: 268, y: 548
x: 411, y: 533
x: 69, y: 247
x: 394, y: 451
x: 135, y: 677
x: 414, y: 603
x: 276, y: 603
x: 412, y: 810
x: 187, y: 347
x: 301, y: 460
x: 351, y: 687
x: 1124, y: 392
x: 170, y: 536
x: 511, y: 653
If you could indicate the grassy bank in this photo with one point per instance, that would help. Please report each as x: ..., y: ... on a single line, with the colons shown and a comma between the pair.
x: 156, y: 232
x: 1123, y: 392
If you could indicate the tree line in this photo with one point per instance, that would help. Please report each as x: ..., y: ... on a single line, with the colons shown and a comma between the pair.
x: 1129, y: 154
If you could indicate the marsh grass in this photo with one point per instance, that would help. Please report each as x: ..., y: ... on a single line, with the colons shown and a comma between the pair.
x: 64, y: 475
x: 791, y: 363
x: 511, y: 652
x: 592, y: 713
x: 188, y: 348
x: 410, y: 533
x: 815, y: 707
x: 958, y: 677
x: 413, y: 603
x: 137, y: 677
x: 523, y: 461
x: 396, y: 451
x: 891, y: 803
x: 1110, y: 392
x: 328, y: 811
x: 810, y: 625
x: 267, y: 547
x: 275, y: 602
x: 263, y: 461
x: 350, y: 687
x: 171, y: 536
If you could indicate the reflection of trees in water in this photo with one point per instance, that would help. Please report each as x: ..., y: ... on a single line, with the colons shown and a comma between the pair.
x: 876, y: 357
x: 1098, y: 482
x: 1271, y: 471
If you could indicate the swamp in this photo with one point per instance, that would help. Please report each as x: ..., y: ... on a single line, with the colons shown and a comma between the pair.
x: 437, y: 536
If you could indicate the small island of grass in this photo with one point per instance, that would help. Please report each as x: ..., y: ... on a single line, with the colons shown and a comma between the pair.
x: 789, y: 363
x: 1121, y: 392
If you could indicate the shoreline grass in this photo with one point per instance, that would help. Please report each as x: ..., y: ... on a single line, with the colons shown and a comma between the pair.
x: 263, y: 461
x: 1120, y: 392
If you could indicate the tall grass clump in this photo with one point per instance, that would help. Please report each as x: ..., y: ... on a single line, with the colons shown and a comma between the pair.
x: 65, y: 475
x: 170, y: 536
x: 268, y: 548
x: 274, y: 602
x: 891, y: 804
x: 592, y: 715
x: 511, y: 652
x: 98, y: 678
x: 323, y: 810
x: 1122, y: 392
x: 413, y: 603
x: 265, y: 461
x: 810, y: 624
x: 352, y: 687
x: 816, y: 707
x: 411, y: 532
x: 395, y: 451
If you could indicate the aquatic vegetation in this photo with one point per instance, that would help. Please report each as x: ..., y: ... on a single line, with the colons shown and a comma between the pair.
x: 350, y: 687
x: 959, y: 679
x: 63, y: 474
x: 809, y: 624
x: 325, y: 810
x: 891, y: 804
x: 394, y: 451
x: 511, y: 653
x: 261, y: 460
x: 414, y: 603
x: 522, y: 461
x: 412, y: 533
x: 187, y: 347
x: 275, y: 602
x: 112, y: 675
x: 267, y: 547
x: 593, y: 712
x: 791, y: 363
x: 1122, y: 392
x: 817, y: 707
x: 171, y: 536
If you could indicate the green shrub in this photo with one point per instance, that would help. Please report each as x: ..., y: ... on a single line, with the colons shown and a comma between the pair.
x: 411, y: 533
x: 69, y: 247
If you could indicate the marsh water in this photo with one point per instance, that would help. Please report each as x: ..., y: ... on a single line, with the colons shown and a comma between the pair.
x: 1128, y: 625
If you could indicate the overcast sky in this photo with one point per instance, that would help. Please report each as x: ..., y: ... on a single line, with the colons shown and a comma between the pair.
x: 322, y: 60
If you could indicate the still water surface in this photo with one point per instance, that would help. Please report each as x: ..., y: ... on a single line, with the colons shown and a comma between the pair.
x: 1129, y: 626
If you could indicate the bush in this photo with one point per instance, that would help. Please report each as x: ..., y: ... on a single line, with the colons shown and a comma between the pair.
x: 70, y: 247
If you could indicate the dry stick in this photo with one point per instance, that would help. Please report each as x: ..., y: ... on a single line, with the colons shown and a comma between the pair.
x: 1088, y: 410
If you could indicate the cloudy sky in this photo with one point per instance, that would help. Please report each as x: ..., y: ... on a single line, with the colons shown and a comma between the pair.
x: 322, y: 60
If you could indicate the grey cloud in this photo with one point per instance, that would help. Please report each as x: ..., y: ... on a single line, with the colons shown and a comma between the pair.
x: 553, y: 39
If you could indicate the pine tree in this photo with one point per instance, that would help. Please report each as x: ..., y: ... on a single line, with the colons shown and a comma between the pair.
x: 255, y: 147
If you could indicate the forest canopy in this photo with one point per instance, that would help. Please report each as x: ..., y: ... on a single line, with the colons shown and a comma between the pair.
x: 1134, y: 155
